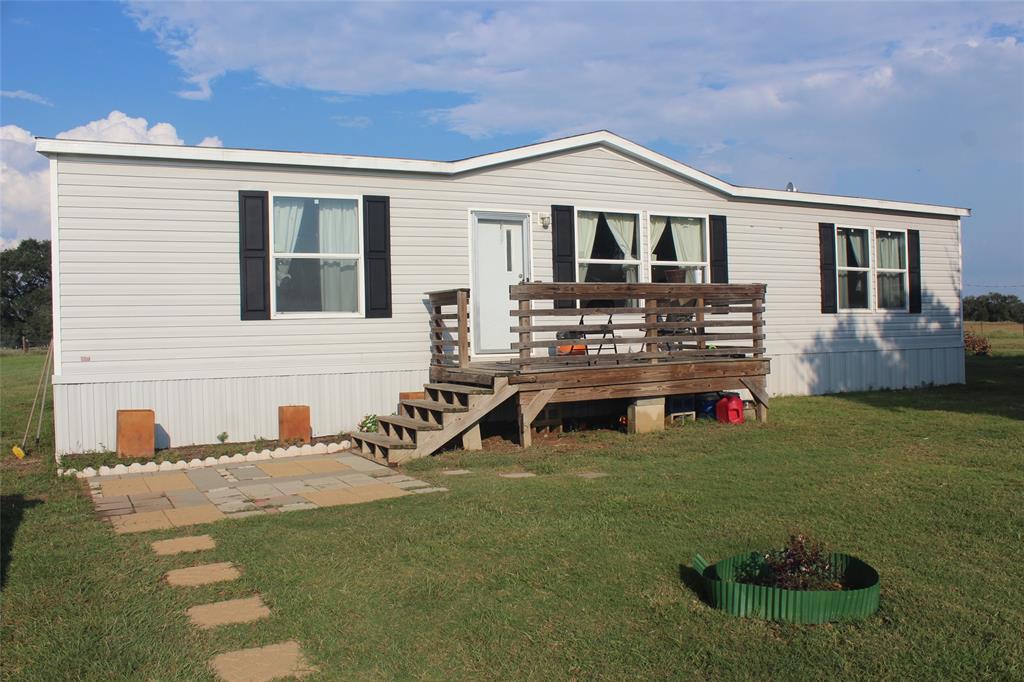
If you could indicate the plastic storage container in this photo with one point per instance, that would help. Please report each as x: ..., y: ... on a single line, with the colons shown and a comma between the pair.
x: 706, y: 405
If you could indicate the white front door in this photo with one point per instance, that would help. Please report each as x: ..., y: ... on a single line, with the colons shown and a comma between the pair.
x: 500, y: 259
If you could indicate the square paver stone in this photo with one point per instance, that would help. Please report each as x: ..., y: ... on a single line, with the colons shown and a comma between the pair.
x: 262, y: 664
x: 187, y: 498
x: 192, y: 543
x: 294, y: 487
x: 332, y: 498
x: 282, y: 469
x: 357, y: 479
x: 325, y: 466
x: 161, y: 483
x: 140, y: 522
x: 204, y: 574
x: 208, y: 616
x: 378, y: 491
x: 259, y: 491
x: 248, y: 473
x: 187, y: 516
x: 517, y: 474
x: 362, y: 464
x: 206, y: 479
x: 125, y: 486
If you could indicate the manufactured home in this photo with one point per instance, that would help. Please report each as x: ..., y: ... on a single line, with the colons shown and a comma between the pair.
x: 215, y: 285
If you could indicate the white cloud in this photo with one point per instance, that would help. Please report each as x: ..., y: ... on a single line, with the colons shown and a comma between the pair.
x: 211, y: 141
x: 26, y: 95
x: 353, y: 121
x: 25, y: 176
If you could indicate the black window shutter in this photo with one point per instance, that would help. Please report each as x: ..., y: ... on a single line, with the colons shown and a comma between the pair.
x: 827, y: 249
x: 254, y: 254
x: 563, y: 247
x: 914, y: 269
x: 719, y: 256
x: 377, y: 259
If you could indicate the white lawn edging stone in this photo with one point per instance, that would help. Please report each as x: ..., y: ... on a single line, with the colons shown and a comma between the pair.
x: 152, y: 466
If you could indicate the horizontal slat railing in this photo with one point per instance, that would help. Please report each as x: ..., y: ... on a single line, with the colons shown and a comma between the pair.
x: 449, y: 345
x: 635, y: 323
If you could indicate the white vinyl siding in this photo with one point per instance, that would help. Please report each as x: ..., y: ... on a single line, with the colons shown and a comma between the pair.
x: 149, y: 281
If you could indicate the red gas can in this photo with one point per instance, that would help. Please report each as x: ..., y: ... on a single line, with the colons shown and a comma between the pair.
x: 729, y: 410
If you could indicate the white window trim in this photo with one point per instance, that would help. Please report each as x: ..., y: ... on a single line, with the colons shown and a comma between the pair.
x: 706, y: 264
x: 638, y: 262
x: 360, y: 259
x: 905, y: 271
x: 873, y: 270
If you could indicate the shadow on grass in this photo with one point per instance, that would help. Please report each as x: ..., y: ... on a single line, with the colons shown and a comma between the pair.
x: 689, y: 576
x: 12, y: 508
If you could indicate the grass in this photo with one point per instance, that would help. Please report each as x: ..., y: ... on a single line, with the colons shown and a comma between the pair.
x: 1007, y: 337
x: 556, y: 577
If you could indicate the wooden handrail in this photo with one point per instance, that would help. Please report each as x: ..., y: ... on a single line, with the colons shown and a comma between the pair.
x: 442, y: 336
x: 674, y: 322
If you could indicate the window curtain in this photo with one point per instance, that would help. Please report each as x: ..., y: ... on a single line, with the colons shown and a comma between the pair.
x: 890, y: 250
x: 688, y: 237
x: 287, y: 221
x: 623, y: 228
x: 658, y: 224
x: 586, y: 231
x: 339, y: 233
x: 853, y: 248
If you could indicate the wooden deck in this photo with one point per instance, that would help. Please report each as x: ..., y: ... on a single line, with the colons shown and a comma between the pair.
x: 585, y: 342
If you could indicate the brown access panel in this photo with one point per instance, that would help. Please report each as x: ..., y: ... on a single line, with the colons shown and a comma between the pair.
x: 293, y: 423
x: 136, y: 433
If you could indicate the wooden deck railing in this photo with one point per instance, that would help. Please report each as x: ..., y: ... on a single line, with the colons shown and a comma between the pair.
x: 449, y: 345
x: 635, y: 323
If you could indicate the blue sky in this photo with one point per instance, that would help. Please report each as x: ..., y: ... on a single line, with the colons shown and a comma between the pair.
x: 921, y: 102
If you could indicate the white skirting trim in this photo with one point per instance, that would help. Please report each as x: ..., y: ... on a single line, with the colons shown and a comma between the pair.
x: 195, y: 411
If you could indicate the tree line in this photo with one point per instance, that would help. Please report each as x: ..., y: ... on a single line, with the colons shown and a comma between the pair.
x: 993, y: 307
x: 25, y: 309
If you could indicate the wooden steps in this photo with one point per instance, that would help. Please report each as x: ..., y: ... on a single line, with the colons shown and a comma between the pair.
x: 422, y: 426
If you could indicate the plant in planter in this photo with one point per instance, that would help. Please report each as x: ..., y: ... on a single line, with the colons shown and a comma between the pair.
x: 369, y: 424
x: 799, y: 583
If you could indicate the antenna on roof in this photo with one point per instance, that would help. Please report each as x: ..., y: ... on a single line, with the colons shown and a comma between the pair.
x: 790, y: 187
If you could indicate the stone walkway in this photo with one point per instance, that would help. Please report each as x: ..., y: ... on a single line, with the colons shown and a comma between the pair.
x: 153, y: 501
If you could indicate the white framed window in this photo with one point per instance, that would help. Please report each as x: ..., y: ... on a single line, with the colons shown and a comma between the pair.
x: 607, y: 246
x: 679, y: 249
x: 853, y: 268
x: 891, y: 269
x: 316, y: 256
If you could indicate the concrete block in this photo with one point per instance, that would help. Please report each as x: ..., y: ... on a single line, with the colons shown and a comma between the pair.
x: 647, y: 415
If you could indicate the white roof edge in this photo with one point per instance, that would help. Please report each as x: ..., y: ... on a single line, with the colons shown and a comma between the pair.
x: 55, y: 147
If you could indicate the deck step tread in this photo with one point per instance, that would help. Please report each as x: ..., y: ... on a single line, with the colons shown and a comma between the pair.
x: 410, y: 423
x: 460, y: 388
x: 384, y: 441
x: 434, y: 405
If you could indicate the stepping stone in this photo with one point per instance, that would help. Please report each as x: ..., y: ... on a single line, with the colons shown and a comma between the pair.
x: 409, y: 485
x: 193, y: 543
x: 150, y: 503
x: 125, y: 486
x: 358, y: 479
x: 397, y: 478
x: 283, y: 469
x: 517, y: 474
x: 188, y: 516
x: 160, y: 483
x: 429, y: 490
x: 298, y: 506
x: 325, y: 466
x: 140, y: 522
x: 249, y: 473
x: 262, y: 664
x: 590, y: 475
x: 208, y: 616
x: 456, y: 472
x: 204, y: 574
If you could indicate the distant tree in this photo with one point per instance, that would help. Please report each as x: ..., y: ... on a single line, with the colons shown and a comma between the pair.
x: 994, y: 307
x: 25, y: 308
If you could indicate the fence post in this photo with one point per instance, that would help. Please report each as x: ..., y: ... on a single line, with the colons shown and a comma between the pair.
x: 462, y: 300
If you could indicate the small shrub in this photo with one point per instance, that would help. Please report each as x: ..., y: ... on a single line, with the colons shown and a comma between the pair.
x: 803, y: 564
x: 976, y: 344
x: 369, y: 424
x: 223, y: 437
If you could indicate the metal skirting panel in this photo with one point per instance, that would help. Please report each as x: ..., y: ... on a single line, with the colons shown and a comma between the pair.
x: 195, y: 411
x: 840, y: 372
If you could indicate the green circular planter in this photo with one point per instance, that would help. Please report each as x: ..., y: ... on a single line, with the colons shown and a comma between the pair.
x: 859, y: 600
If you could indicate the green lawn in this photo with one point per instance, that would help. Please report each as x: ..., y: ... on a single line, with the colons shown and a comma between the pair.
x: 556, y: 577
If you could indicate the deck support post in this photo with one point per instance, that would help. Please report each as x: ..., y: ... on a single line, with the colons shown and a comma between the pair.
x: 471, y: 438
x: 758, y: 388
x: 647, y: 415
x: 530, y: 405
